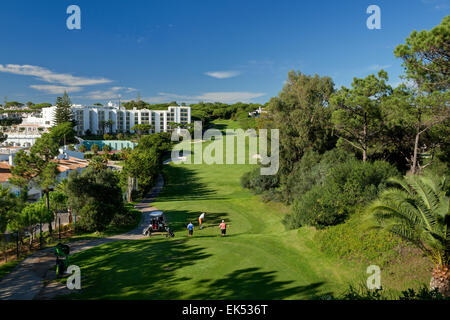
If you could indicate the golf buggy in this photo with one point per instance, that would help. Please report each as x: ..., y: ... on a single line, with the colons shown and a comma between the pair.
x: 158, y: 225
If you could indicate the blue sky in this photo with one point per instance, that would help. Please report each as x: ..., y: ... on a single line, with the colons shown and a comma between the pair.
x: 210, y: 50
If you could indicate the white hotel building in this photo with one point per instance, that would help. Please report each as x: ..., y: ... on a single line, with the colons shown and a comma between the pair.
x: 123, y: 120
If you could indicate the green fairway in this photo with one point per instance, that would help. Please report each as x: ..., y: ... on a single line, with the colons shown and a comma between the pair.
x: 258, y: 259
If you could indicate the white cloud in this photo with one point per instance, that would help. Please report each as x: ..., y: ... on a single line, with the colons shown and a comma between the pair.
x: 407, y: 83
x: 222, y: 74
x: 442, y: 6
x: 125, y: 89
x: 53, y: 89
x: 437, y: 4
x: 225, y: 97
x: 111, y: 93
x: 377, y: 67
x: 50, y: 76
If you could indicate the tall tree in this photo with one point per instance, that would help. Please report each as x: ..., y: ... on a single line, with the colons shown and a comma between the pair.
x: 63, y: 133
x: 63, y: 112
x: 357, y: 115
x: 110, y: 124
x: 425, y: 58
x: 29, y: 216
x: 36, y: 166
x: 418, y: 115
x: 46, y: 149
x: 300, y: 113
x: 26, y: 167
x: 141, y: 129
x: 8, y: 206
x: 102, y: 125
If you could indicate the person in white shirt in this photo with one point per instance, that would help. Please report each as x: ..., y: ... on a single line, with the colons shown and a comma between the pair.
x: 200, y: 220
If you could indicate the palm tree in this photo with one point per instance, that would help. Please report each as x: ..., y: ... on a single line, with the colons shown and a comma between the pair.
x: 102, y: 125
x: 99, y: 163
x: 95, y: 148
x: 110, y: 124
x: 418, y: 212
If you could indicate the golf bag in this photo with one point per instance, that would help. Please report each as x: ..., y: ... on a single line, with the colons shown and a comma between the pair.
x: 62, y: 258
x: 169, y: 233
x: 148, y: 231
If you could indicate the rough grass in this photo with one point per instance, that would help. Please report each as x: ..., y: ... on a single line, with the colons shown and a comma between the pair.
x: 402, y: 266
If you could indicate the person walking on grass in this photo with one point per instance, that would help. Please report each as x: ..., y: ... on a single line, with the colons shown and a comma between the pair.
x: 200, y: 220
x: 190, y: 228
x: 223, y: 227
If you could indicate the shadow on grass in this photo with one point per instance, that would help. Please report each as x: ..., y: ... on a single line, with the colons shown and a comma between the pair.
x: 182, y: 184
x: 254, y: 284
x: 134, y: 269
x: 219, y: 126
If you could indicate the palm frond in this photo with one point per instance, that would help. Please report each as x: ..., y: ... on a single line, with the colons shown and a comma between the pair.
x: 417, y: 210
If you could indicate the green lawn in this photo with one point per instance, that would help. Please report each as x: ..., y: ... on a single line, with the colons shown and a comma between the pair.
x: 257, y: 260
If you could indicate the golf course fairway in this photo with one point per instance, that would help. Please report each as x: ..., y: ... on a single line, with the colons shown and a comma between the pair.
x: 258, y: 259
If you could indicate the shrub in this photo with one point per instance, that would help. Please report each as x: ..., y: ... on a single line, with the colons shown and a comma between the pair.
x: 126, y: 217
x: 95, y: 147
x: 82, y: 148
x: 310, y: 171
x: 89, y: 156
x: 96, y: 195
x: 93, y: 218
x: 361, y: 292
x: 355, y: 241
x: 346, y: 187
x: 258, y: 183
x: 271, y: 195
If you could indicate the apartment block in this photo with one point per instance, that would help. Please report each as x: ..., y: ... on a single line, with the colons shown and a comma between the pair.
x: 114, y: 119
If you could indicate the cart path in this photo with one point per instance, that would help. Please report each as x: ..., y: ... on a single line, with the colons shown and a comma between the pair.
x: 28, y: 280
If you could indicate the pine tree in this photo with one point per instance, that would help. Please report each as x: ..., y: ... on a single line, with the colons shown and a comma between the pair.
x: 63, y: 111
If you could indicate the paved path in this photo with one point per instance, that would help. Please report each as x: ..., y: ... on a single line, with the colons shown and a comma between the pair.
x: 31, y: 278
